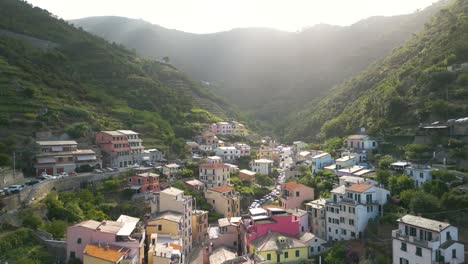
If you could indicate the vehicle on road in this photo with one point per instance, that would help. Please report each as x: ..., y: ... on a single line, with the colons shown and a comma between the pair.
x: 97, y: 171
x: 15, y: 188
x: 32, y: 182
x: 72, y: 173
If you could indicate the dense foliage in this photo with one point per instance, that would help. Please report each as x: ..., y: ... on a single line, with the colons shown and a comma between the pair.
x: 56, y: 77
x: 21, y: 246
x: 410, y: 86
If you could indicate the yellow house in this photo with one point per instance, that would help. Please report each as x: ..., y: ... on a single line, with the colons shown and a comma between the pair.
x: 199, y: 226
x: 278, y: 248
x: 105, y: 254
x: 168, y: 222
x: 224, y: 199
x: 265, y: 152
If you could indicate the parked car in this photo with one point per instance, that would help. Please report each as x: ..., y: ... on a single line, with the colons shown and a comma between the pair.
x: 32, y: 182
x: 115, y: 169
x: 97, y: 171
x: 72, y: 173
x: 15, y: 188
x: 63, y: 174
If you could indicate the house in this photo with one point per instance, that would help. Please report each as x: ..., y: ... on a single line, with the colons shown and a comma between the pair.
x: 107, y: 254
x: 214, y: 159
x: 299, y: 146
x: 279, y: 248
x: 224, y: 200
x: 361, y: 142
x: 422, y: 240
x: 349, y: 171
x: 350, y: 208
x: 350, y: 180
x: 400, y: 166
x: 152, y: 155
x: 247, y: 175
x: 164, y: 249
x: 173, y: 199
x: 122, y: 232
x: 144, y: 182
x: 195, y: 184
x: 226, y: 233
x: 199, y: 226
x: 222, y: 128
x: 192, y: 146
x: 167, y: 222
x: 419, y: 173
x: 228, y: 154
x: 205, y: 148
x: 239, y: 129
x: 55, y: 157
x: 320, y: 161
x: 317, y: 215
x: 301, y: 216
x: 209, y: 138
x: 215, y: 174
x: 170, y: 171
x: 221, y: 255
x: 265, y: 152
x: 316, y: 244
x: 120, y: 148
x: 262, y: 166
x: 294, y: 194
x: 346, y: 162
x: 244, y: 149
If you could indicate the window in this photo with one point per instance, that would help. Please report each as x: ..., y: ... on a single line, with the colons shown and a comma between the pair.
x: 418, y: 251
x: 72, y: 254
x: 421, y: 175
x: 351, y: 222
x: 159, y: 227
x: 286, y: 255
x: 403, y: 246
x: 404, y: 261
x: 78, y: 241
x: 268, y: 256
x: 318, y: 248
x: 412, y: 231
x: 454, y: 253
x: 353, y: 234
x: 297, y: 253
x: 311, y: 249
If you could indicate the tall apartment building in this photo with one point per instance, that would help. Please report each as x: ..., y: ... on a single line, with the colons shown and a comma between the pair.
x: 199, y: 226
x: 350, y: 208
x: 216, y: 174
x: 120, y: 148
x: 318, y: 217
x: 422, y: 240
x: 224, y: 200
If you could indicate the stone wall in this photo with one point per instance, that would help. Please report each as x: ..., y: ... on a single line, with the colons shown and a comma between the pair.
x: 7, y: 177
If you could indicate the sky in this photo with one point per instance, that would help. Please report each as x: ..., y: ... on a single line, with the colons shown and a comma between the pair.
x: 208, y: 16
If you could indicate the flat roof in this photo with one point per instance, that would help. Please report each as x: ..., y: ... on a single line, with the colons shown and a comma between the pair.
x: 263, y: 161
x: 112, y: 133
x: 352, y: 169
x: 321, y: 155
x: 127, y: 132
x: 345, y: 158
x: 172, y: 191
x: 423, y: 222
x: 170, y: 216
x: 257, y: 211
x: 56, y: 142
x: 248, y: 172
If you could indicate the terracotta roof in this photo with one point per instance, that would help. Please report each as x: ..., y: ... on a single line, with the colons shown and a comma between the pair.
x: 214, y: 166
x: 291, y: 185
x: 109, y: 253
x: 222, y: 189
x: 360, y: 187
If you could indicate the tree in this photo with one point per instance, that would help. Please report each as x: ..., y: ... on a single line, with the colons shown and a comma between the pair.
x: 385, y: 161
x: 56, y: 228
x: 424, y: 203
x: 415, y: 151
x: 333, y: 144
x: 4, y: 160
x: 435, y: 187
x: 336, y: 254
x: 263, y: 180
x: 383, y: 176
x: 399, y: 183
x: 31, y: 220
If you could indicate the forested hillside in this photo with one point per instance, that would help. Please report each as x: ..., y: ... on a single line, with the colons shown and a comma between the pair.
x: 56, y: 77
x: 267, y: 72
x: 410, y: 86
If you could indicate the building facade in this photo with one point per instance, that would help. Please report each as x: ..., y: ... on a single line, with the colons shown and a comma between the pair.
x: 320, y: 161
x: 224, y: 200
x: 262, y: 166
x: 215, y: 174
x: 294, y: 194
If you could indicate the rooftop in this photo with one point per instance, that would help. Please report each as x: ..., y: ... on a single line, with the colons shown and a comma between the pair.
x: 357, y: 136
x: 306, y: 237
x: 275, y: 241
x: 321, y: 155
x: 362, y: 172
x: 317, y: 203
x: 112, y: 133
x: 352, y: 169
x: 214, y: 166
x: 127, y: 132
x: 248, y: 172
x: 222, y: 189
x: 263, y: 161
x: 172, y: 191
x: 124, y: 225
x: 360, y: 187
x: 222, y: 254
x: 172, y: 165
x: 423, y: 222
x: 339, y: 190
x: 304, y: 153
x: 56, y: 142
x: 105, y: 252
x: 345, y: 158
x: 170, y: 216
x: 148, y: 174
x: 195, y: 182
x: 293, y: 186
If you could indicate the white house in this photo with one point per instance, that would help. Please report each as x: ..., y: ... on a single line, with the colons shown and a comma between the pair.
x: 419, y: 173
x: 346, y: 162
x: 350, y: 208
x: 320, y: 161
x: 228, y: 154
x: 216, y: 174
x: 315, y: 243
x: 298, y: 146
x: 361, y: 142
x: 244, y: 149
x: 214, y: 159
x: 170, y: 170
x: 262, y: 166
x: 422, y: 240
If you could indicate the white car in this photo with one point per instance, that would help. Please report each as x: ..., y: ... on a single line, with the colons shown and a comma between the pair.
x: 15, y: 188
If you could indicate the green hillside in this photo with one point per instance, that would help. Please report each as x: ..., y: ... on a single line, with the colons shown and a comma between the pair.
x: 56, y: 77
x: 410, y: 86
x: 267, y: 72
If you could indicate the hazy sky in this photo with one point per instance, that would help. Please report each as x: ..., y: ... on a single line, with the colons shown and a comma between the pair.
x: 205, y: 16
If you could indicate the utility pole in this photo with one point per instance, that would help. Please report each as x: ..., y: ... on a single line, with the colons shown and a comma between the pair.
x: 14, y: 164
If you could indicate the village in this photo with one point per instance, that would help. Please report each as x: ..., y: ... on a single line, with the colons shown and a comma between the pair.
x: 241, y: 198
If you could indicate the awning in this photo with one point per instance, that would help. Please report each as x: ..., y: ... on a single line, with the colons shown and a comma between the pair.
x: 135, y: 187
x: 86, y: 157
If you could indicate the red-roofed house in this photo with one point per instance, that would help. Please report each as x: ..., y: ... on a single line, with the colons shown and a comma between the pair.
x: 224, y: 200
x: 294, y: 194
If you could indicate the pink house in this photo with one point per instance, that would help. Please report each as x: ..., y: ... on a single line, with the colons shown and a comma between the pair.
x: 278, y: 220
x: 144, y: 182
x: 226, y: 233
x: 294, y: 194
x: 119, y: 233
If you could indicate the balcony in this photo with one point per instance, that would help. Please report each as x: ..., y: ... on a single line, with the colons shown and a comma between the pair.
x: 399, y: 234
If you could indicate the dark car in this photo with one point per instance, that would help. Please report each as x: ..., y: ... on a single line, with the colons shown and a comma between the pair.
x: 32, y: 182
